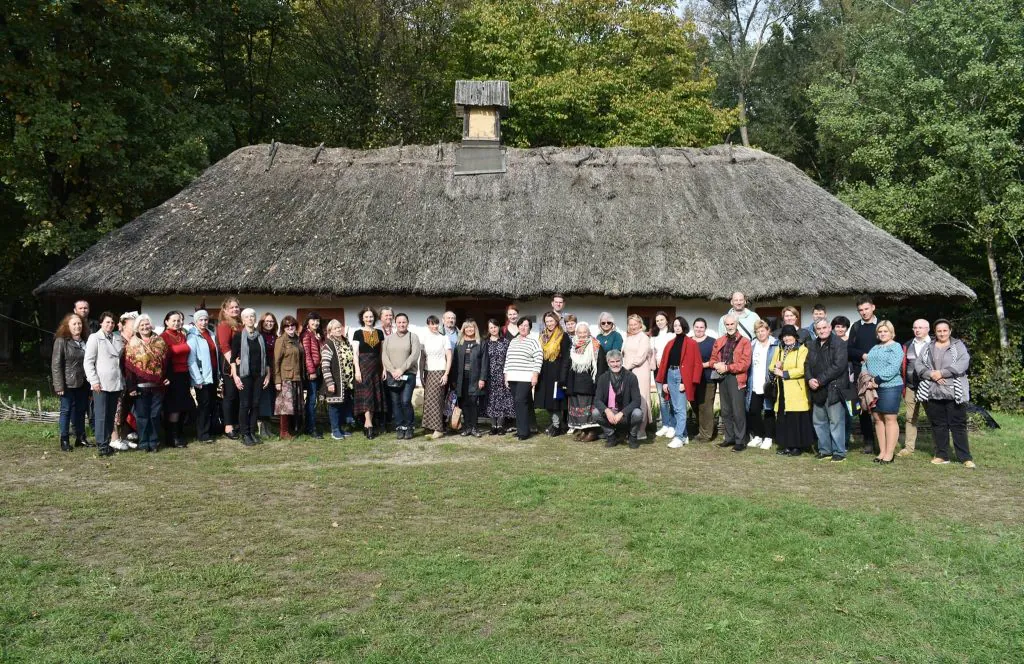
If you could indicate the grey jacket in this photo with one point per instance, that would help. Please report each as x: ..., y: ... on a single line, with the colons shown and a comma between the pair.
x: 103, y: 361
x: 67, y: 364
x: 953, y: 363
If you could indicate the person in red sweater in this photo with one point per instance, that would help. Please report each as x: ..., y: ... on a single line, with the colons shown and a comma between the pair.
x: 730, y: 359
x: 679, y: 371
x: 312, y: 341
x: 178, y: 398
x: 229, y: 324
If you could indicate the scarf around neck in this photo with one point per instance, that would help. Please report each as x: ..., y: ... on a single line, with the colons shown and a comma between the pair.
x: 145, y: 358
x: 243, y: 354
x: 584, y: 356
x: 551, y: 343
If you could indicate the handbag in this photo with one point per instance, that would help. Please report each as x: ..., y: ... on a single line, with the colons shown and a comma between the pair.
x: 715, y: 377
x: 771, y: 389
x: 456, y: 420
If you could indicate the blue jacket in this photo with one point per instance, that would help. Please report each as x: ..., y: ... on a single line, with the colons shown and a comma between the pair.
x: 200, y: 365
x: 773, y: 343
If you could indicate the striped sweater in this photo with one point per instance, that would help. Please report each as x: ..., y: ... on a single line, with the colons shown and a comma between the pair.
x: 523, y: 359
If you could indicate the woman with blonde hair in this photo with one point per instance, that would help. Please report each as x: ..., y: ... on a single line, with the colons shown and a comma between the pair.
x: 885, y: 365
x: 250, y: 372
x: 638, y: 357
x: 791, y: 316
x: 228, y: 324
x: 550, y: 393
x: 470, y: 371
x: 337, y: 363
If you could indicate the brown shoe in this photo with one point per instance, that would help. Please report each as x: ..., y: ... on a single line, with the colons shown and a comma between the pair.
x: 285, y: 433
x: 904, y: 452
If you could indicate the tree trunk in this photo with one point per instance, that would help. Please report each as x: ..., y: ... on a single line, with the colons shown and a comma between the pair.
x: 743, y: 119
x: 997, y: 293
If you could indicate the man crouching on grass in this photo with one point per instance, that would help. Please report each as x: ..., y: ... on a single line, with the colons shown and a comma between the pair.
x: 617, y: 402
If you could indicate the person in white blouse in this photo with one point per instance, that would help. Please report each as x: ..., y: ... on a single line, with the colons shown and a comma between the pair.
x: 660, y: 337
x: 435, y: 365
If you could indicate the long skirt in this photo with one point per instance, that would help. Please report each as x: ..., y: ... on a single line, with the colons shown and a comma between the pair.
x: 793, y: 429
x: 499, y: 399
x: 370, y: 390
x: 581, y: 411
x: 433, y: 400
x: 178, y: 397
x: 289, y: 399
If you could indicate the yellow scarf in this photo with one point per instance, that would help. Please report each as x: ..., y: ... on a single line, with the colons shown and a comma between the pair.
x: 552, y: 345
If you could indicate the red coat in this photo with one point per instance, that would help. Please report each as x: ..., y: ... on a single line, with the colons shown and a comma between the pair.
x: 311, y: 345
x: 740, y: 359
x: 690, y: 365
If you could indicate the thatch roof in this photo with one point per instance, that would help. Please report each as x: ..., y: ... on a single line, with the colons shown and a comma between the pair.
x: 620, y: 222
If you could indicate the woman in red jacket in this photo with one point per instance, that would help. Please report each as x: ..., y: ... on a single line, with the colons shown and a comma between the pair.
x: 227, y: 327
x: 679, y: 373
x: 178, y: 398
x: 312, y: 341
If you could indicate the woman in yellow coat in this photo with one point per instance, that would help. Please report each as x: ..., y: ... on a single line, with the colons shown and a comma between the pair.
x: 794, y: 432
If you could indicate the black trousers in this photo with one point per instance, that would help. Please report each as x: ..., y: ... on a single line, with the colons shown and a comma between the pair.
x: 206, y: 399
x: 760, y: 423
x: 522, y: 394
x: 468, y: 403
x: 230, y: 401
x: 948, y: 417
x: 249, y: 404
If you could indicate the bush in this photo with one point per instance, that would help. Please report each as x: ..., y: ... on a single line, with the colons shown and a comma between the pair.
x: 997, y: 379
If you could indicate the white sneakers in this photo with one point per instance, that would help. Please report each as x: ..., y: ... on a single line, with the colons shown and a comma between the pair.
x: 665, y: 432
x: 677, y: 442
x: 766, y: 444
x: 119, y: 445
x: 758, y: 443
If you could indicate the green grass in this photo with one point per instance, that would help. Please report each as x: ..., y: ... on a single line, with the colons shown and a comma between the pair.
x: 496, y: 551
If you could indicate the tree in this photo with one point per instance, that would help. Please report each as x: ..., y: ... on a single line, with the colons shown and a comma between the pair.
x: 738, y: 31
x: 594, y: 72
x: 930, y: 120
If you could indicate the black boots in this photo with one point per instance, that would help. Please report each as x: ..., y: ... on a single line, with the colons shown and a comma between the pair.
x: 83, y: 441
x: 65, y: 444
x: 177, y: 436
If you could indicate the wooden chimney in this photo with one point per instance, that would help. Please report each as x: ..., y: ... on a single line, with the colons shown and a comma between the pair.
x: 481, y: 105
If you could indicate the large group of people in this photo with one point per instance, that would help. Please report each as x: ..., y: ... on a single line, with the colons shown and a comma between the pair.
x: 793, y: 388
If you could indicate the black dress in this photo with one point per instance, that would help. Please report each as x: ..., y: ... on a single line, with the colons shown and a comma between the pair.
x: 553, y: 376
x: 369, y: 392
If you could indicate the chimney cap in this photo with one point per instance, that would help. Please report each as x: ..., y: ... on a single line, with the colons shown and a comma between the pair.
x: 480, y: 93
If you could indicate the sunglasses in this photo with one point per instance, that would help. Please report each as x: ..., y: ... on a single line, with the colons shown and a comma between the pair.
x: 603, y: 323
x: 289, y: 326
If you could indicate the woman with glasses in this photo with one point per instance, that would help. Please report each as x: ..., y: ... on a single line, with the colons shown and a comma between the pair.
x: 608, y: 337
x: 289, y: 373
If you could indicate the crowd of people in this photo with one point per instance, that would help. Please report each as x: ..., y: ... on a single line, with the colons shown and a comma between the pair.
x: 795, y: 388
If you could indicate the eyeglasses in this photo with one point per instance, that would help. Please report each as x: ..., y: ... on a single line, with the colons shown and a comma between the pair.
x: 290, y: 326
x: 605, y: 322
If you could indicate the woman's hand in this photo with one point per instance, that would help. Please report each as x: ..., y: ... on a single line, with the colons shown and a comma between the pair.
x: 682, y: 387
x: 359, y: 377
x: 935, y: 375
x: 278, y: 386
x: 778, y: 372
x: 330, y: 389
x: 533, y: 379
x: 96, y: 387
x: 480, y: 384
x: 266, y: 380
x: 238, y: 383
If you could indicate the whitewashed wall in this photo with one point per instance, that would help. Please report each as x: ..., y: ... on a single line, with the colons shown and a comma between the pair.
x: 585, y: 308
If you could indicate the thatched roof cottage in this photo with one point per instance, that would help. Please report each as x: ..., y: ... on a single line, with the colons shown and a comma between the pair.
x: 620, y: 229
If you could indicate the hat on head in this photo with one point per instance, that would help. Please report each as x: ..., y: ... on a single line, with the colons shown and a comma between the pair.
x: 789, y: 331
x: 129, y: 315
x: 200, y: 314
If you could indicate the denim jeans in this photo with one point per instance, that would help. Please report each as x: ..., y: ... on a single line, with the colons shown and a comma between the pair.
x: 830, y: 428
x: 401, y: 402
x: 312, y: 386
x: 668, y: 418
x: 679, y: 403
x: 73, y: 404
x: 336, y: 413
x: 148, y: 405
x: 105, y: 405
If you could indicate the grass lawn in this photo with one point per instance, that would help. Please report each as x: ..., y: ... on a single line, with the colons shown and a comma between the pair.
x: 492, y: 550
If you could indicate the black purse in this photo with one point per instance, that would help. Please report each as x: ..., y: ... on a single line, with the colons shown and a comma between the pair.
x: 771, y: 389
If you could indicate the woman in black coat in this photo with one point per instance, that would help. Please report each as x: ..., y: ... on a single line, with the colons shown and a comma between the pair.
x: 470, y: 369
x: 586, y: 363
x: 550, y: 393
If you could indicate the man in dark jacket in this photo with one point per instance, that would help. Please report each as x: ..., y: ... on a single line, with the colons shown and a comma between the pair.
x: 863, y: 339
x: 617, y: 403
x: 828, y: 380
